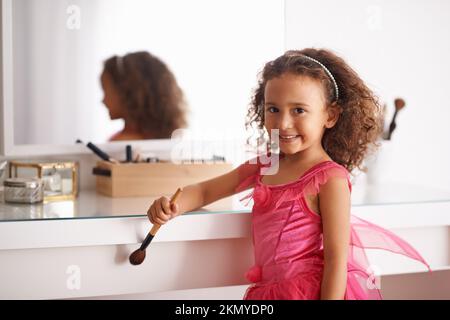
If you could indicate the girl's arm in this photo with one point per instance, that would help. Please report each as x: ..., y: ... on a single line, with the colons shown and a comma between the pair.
x: 200, y: 194
x: 334, y: 203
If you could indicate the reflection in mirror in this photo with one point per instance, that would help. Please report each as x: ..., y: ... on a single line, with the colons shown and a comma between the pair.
x: 141, y: 90
x: 214, y: 50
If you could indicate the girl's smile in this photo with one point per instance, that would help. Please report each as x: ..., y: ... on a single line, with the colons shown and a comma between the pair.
x: 289, y: 138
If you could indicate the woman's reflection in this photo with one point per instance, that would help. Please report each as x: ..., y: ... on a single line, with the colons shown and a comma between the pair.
x: 140, y: 89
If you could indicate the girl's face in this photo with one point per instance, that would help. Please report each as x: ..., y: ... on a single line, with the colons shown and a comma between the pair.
x: 111, y: 98
x: 296, y: 106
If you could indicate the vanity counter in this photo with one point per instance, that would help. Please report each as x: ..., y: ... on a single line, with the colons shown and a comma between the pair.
x: 122, y: 221
x: 80, y: 248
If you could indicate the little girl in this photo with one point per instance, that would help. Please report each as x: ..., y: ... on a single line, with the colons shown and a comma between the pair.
x: 307, y: 244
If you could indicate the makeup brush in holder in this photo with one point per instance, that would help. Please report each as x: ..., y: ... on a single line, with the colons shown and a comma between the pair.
x: 399, y: 105
x: 138, y: 256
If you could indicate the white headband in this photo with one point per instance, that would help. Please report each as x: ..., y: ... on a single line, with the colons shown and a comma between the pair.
x: 325, y: 69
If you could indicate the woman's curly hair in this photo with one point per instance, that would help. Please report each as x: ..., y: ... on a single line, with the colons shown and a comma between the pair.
x: 154, y: 102
x: 359, y: 125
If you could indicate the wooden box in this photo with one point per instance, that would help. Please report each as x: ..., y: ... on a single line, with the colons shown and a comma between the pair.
x: 152, y: 179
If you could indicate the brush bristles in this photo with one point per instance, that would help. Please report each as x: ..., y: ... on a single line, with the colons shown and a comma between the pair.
x: 399, y: 103
x: 137, y: 257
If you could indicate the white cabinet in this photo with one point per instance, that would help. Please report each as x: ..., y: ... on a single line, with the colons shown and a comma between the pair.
x: 195, y: 256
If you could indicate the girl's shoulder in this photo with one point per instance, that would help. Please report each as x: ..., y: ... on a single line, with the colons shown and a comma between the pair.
x: 311, y: 181
x: 324, y: 172
x: 332, y: 167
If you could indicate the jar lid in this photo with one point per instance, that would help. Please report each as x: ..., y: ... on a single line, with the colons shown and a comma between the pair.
x: 22, y: 182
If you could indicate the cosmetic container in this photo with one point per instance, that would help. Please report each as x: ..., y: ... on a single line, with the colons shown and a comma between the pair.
x: 59, y: 178
x: 23, y: 190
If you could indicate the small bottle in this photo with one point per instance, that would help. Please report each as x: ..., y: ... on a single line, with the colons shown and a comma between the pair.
x: 23, y: 190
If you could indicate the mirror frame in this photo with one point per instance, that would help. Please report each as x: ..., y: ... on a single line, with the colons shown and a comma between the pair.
x: 6, y: 94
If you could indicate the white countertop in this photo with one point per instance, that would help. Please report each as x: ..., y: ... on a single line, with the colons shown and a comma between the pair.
x: 89, y: 205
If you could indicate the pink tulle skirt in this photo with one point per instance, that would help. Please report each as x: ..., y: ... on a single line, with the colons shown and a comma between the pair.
x: 302, y: 279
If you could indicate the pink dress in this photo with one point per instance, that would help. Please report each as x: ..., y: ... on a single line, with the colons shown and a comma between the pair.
x: 287, y: 239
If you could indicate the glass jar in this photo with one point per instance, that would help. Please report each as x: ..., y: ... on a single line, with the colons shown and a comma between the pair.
x: 60, y: 178
x: 23, y: 190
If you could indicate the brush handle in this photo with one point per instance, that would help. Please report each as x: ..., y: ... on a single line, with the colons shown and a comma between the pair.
x: 392, y: 125
x: 100, y: 152
x: 128, y: 153
x: 148, y: 239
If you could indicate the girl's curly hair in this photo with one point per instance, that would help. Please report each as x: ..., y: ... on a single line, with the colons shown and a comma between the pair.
x: 154, y: 102
x: 359, y: 125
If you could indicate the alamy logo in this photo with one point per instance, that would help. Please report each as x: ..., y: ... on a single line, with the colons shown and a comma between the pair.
x: 74, y: 19
x: 189, y: 144
x: 270, y: 163
x: 375, y: 18
x: 373, y: 281
x: 73, y: 282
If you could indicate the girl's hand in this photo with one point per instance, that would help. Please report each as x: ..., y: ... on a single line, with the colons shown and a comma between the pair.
x: 162, y: 211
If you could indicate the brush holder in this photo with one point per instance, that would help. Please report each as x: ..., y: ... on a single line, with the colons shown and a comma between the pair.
x: 152, y: 179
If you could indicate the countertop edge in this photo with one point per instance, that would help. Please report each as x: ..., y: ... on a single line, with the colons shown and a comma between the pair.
x: 120, y: 231
x: 191, y: 227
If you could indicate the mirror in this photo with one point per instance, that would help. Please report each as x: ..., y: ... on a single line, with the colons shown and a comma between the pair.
x: 214, y: 49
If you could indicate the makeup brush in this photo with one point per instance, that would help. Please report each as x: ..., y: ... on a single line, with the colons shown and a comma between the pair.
x: 100, y: 153
x: 383, y: 120
x: 138, y: 256
x: 128, y: 153
x: 399, y: 105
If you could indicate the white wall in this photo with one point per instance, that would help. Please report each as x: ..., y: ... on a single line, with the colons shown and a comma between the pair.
x: 400, y: 48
